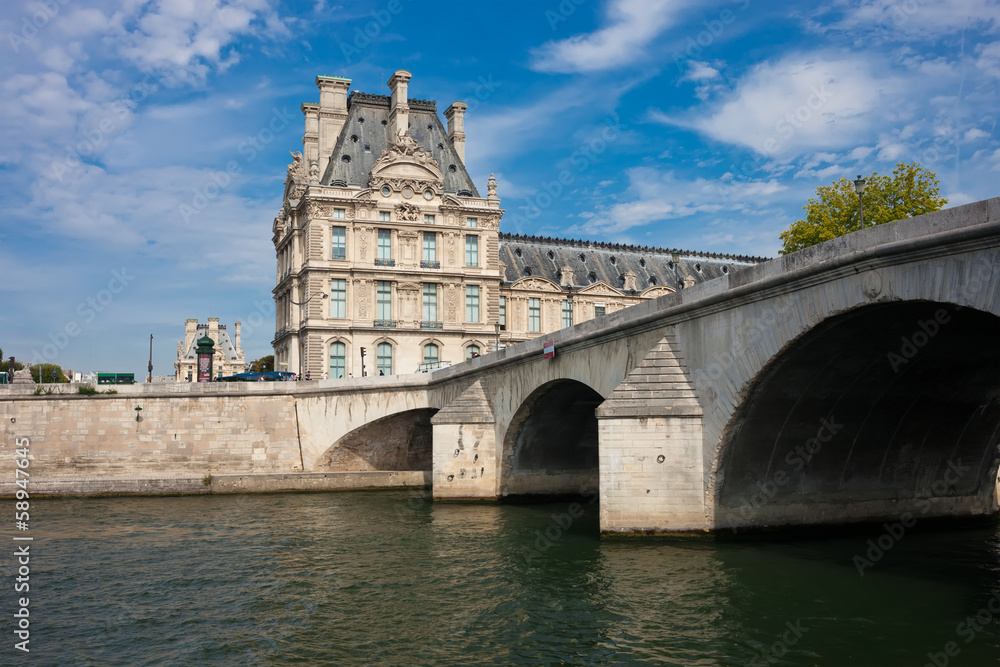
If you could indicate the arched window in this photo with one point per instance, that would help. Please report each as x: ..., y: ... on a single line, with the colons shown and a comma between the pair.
x: 338, y: 360
x: 383, y: 358
x: 471, y: 352
x: 430, y: 353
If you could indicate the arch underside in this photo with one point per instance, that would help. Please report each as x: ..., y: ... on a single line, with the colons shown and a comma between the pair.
x: 402, y: 441
x: 551, y: 444
x: 887, y: 409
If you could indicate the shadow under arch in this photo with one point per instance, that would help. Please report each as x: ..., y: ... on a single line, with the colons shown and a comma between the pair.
x: 887, y: 409
x: 551, y: 444
x: 401, y: 441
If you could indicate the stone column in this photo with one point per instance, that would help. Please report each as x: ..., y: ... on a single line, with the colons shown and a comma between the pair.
x: 465, y: 448
x: 650, y: 439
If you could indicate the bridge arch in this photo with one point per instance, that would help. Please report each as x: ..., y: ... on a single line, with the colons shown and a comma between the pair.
x: 875, y: 412
x: 550, y: 446
x: 400, y: 441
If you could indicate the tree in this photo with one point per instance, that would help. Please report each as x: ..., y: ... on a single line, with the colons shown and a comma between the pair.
x: 911, y: 190
x: 46, y: 370
x: 4, y: 363
x: 263, y: 365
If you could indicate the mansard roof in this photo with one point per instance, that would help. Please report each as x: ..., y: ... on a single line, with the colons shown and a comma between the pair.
x: 594, y: 262
x: 224, y: 342
x: 366, y: 134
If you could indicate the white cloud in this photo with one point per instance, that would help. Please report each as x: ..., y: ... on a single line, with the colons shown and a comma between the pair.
x: 896, y: 20
x: 629, y: 27
x: 699, y: 71
x: 975, y: 134
x: 654, y: 196
x: 798, y: 104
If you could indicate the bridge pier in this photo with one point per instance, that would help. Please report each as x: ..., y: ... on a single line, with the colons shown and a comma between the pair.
x: 465, y: 448
x: 651, y: 464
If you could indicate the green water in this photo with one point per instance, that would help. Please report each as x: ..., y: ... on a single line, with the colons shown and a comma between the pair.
x: 391, y: 578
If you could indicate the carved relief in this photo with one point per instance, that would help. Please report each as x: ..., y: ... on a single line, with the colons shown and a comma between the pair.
x: 451, y: 248
x: 452, y: 302
x: 361, y: 291
x: 404, y: 145
x: 536, y: 284
x: 630, y: 281
x: 407, y: 212
x: 297, y: 169
x: 491, y: 222
x: 397, y: 184
x: 363, y: 243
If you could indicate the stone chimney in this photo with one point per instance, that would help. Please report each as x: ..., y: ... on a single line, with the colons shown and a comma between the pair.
x: 324, y: 120
x: 456, y: 127
x: 236, y: 340
x: 213, y: 330
x: 399, y: 108
x: 190, y: 329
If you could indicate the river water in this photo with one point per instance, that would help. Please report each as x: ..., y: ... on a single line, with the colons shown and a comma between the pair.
x: 390, y: 578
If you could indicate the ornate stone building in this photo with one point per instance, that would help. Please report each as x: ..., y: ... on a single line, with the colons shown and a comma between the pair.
x: 228, y: 357
x: 385, y: 245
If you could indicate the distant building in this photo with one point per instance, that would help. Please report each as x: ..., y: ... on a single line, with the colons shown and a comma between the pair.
x: 228, y: 359
x: 384, y: 244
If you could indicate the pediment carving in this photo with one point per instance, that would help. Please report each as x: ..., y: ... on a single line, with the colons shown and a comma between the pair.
x: 407, y: 212
x: 658, y: 291
x: 601, y: 289
x: 540, y: 284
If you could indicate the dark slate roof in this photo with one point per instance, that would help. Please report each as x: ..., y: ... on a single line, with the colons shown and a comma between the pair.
x: 368, y: 125
x: 608, y: 262
x: 228, y: 350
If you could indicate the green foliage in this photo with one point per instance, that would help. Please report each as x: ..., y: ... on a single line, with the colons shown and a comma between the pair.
x: 911, y: 190
x: 46, y: 370
x: 263, y: 365
x: 4, y: 363
x: 86, y: 390
x: 110, y: 391
x: 207, y: 480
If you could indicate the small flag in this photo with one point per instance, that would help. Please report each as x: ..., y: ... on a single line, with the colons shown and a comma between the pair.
x: 549, y: 349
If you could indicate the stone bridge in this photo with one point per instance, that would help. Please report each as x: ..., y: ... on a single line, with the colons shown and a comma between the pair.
x: 855, y: 380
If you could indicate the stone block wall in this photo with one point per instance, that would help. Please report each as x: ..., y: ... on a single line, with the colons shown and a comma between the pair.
x: 651, y: 474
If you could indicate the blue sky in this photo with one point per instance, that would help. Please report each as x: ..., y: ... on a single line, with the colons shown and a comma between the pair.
x: 698, y: 125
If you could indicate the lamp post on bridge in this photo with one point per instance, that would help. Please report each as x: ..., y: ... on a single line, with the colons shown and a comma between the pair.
x: 859, y: 187
x: 322, y: 295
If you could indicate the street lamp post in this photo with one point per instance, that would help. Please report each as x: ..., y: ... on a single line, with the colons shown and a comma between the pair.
x: 322, y: 295
x: 859, y: 187
x: 149, y: 378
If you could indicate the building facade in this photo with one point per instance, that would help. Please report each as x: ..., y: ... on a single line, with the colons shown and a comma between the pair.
x: 390, y: 261
x: 227, y: 359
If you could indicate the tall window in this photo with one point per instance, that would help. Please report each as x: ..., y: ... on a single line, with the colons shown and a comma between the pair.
x: 338, y: 298
x: 430, y: 353
x: 503, y: 313
x: 471, y: 351
x: 383, y: 216
x: 534, y: 315
x: 338, y: 360
x: 430, y: 247
x: 472, y: 251
x: 383, y: 359
x: 599, y: 310
x: 567, y: 313
x: 383, y: 300
x: 339, y: 243
x: 384, y: 244
x: 430, y: 302
x: 428, y: 219
x: 471, y: 222
x: 472, y: 303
